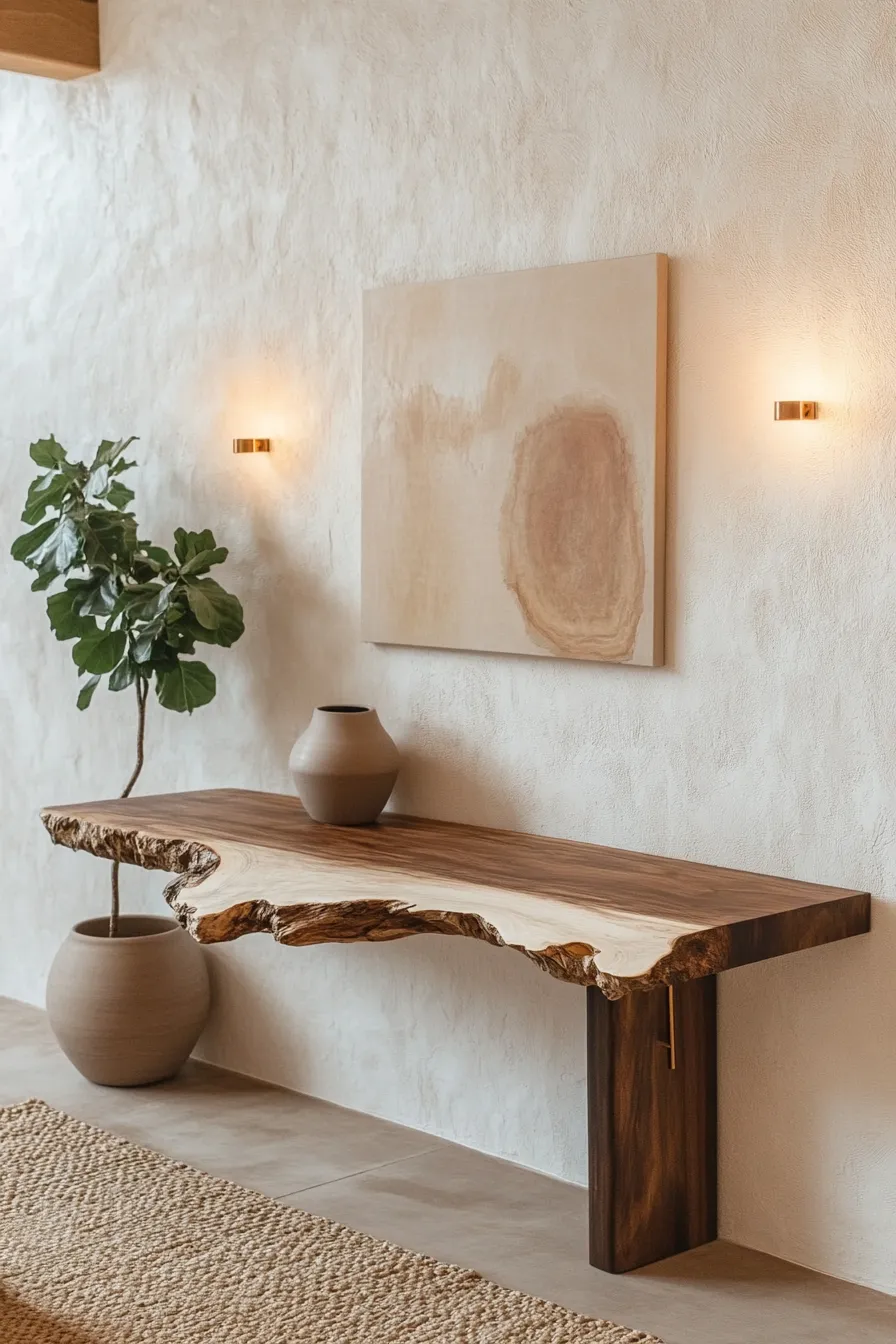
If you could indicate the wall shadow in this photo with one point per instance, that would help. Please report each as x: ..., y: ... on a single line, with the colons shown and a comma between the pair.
x: 298, y: 643
x: 449, y: 780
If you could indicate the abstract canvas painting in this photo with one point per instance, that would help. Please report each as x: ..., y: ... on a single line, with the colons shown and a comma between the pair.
x: 514, y: 462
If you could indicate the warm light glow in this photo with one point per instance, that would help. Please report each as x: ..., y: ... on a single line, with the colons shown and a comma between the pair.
x: 263, y: 399
x: 802, y: 364
x: 245, y: 394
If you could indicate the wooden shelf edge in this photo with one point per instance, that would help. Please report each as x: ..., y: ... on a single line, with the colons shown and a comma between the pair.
x: 53, y: 39
x: 362, y: 919
x: 366, y: 917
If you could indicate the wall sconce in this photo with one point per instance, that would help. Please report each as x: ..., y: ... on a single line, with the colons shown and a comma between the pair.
x: 251, y: 445
x: 796, y: 410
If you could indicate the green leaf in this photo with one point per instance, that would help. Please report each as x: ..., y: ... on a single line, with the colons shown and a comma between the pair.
x: 46, y: 492
x: 186, y: 686
x: 182, y: 641
x: 59, y: 549
x: 97, y: 482
x: 66, y: 621
x: 150, y: 603
x: 143, y: 646
x: 202, y: 562
x: 124, y: 675
x: 156, y: 554
x: 43, y: 582
x: 110, y: 540
x: 23, y: 547
x: 119, y: 496
x: 184, y: 626
x: 216, y: 610
x: 161, y: 659
x: 47, y: 452
x: 75, y: 471
x: 181, y: 627
x: 100, y: 650
x: 151, y: 560
x: 130, y: 595
x: 189, y: 544
x: 99, y: 596
x: 190, y: 629
x: 86, y: 693
x: 110, y: 451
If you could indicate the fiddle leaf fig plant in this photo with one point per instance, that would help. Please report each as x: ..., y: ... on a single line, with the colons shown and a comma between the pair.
x: 134, y: 610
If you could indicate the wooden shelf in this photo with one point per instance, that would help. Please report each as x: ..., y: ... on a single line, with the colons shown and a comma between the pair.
x: 605, y: 918
x: 59, y: 39
x: 254, y: 862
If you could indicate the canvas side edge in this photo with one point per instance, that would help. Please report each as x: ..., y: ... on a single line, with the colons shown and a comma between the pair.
x: 660, y: 493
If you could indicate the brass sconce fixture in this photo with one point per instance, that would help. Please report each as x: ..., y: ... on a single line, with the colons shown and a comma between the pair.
x: 796, y: 410
x: 251, y: 445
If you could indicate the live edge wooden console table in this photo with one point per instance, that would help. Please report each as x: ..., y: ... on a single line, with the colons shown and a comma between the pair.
x: 646, y: 935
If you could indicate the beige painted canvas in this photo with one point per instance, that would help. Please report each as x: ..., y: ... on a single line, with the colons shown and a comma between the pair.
x: 514, y: 462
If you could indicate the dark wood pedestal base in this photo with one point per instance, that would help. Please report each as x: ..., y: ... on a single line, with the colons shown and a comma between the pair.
x: 651, y: 1123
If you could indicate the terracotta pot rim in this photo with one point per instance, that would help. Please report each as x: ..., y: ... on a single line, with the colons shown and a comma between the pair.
x: 344, y: 709
x: 96, y: 930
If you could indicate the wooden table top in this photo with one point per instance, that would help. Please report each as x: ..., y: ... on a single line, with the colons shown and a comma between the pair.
x: 255, y: 862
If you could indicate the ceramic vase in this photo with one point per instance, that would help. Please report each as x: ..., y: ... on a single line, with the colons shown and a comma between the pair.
x: 344, y: 765
x: 128, y: 1010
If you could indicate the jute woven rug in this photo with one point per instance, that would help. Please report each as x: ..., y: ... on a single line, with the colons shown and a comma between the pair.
x: 102, y: 1242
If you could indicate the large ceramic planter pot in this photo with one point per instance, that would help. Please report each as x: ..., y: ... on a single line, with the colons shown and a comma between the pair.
x: 344, y: 765
x: 128, y: 1010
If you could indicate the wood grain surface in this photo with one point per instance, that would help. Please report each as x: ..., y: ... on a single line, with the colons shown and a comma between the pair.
x: 652, y: 1128
x: 254, y: 862
x: 59, y: 39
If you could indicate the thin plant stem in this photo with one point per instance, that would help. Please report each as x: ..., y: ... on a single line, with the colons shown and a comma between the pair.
x: 142, y: 694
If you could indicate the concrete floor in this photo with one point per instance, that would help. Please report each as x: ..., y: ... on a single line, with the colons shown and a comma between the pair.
x: 519, y: 1228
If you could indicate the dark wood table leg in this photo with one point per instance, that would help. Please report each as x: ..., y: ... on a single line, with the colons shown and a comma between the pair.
x: 651, y: 1123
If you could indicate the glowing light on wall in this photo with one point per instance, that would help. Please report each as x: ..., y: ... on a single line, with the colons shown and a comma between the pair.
x: 251, y: 445
x: 796, y: 410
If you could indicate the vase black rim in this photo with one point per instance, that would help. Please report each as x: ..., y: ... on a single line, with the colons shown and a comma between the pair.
x: 131, y: 928
x: 344, y: 709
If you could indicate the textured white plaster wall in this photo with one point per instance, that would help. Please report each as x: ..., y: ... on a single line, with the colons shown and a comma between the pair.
x: 185, y: 240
